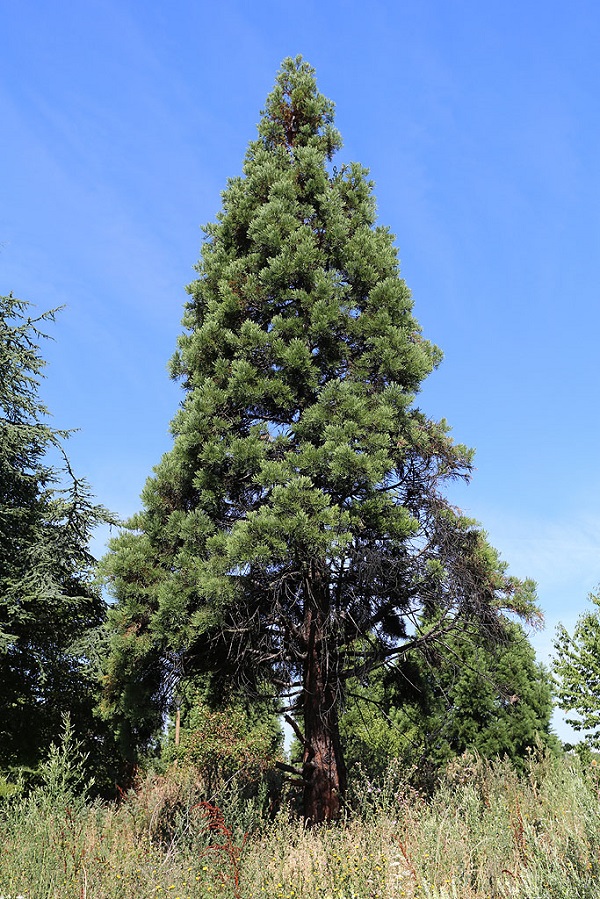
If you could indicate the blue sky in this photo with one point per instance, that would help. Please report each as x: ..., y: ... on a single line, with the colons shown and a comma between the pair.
x: 121, y: 122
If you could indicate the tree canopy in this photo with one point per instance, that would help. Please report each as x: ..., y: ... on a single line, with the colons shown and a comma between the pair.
x: 49, y: 604
x: 577, y: 670
x: 297, y: 531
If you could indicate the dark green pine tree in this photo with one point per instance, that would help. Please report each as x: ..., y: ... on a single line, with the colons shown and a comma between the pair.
x: 466, y: 694
x: 297, y: 528
x: 493, y: 699
x: 49, y: 606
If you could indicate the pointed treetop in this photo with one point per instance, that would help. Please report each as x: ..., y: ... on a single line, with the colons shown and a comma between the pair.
x: 296, y: 114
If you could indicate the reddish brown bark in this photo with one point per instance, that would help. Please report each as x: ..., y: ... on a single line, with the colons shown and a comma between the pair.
x: 323, y: 768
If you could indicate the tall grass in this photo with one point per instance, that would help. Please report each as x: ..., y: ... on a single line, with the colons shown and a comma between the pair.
x: 486, y: 833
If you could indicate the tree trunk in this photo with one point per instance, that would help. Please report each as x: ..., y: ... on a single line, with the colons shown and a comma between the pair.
x: 323, y: 768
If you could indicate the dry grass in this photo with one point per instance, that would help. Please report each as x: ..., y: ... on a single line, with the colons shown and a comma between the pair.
x: 485, y: 834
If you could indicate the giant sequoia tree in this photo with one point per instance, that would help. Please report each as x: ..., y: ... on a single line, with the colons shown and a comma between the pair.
x: 297, y: 530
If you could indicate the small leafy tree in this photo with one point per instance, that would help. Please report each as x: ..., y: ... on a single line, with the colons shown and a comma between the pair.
x: 298, y: 528
x: 50, y: 609
x: 577, y: 669
x: 225, y: 745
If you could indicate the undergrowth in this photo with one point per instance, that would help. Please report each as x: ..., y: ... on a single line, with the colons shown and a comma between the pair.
x: 485, y: 833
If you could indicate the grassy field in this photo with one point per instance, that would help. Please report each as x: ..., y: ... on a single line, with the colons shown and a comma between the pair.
x: 486, y: 833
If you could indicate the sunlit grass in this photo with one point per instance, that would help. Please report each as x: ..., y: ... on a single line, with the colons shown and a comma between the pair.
x: 484, y: 834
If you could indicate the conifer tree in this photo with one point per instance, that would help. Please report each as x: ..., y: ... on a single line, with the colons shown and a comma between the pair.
x: 465, y: 695
x: 297, y: 529
x: 49, y: 604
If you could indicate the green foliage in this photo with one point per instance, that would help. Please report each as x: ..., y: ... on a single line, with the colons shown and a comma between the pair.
x: 63, y: 776
x: 225, y: 745
x: 499, y: 699
x: 301, y: 507
x: 577, y: 670
x: 493, y: 699
x: 50, y: 608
